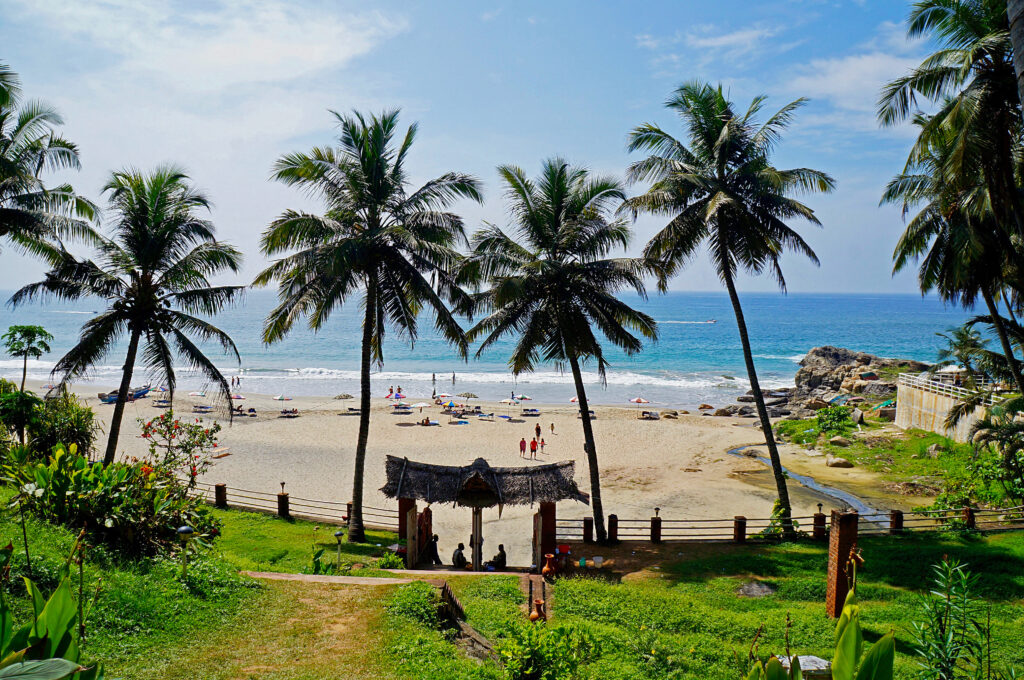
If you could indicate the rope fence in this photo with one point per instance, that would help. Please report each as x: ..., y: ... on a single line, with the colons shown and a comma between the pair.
x: 741, y: 529
x: 283, y: 505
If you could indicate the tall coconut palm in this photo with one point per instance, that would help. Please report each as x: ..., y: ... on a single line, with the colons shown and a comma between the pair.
x: 970, y: 77
x: 552, y: 282
x: 153, y: 272
x: 1015, y: 19
x: 960, y: 245
x: 394, y: 246
x: 720, y: 190
x: 33, y: 216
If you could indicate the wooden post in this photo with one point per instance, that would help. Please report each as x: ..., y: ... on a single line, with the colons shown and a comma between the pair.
x: 412, y: 550
x: 548, y: 528
x: 819, y: 526
x: 403, y: 509
x: 282, y: 505
x: 655, y: 529
x: 477, y: 539
x: 895, y: 521
x: 220, y: 495
x: 588, y: 529
x: 842, y: 539
x: 613, y: 528
x: 739, y: 529
x: 969, y: 519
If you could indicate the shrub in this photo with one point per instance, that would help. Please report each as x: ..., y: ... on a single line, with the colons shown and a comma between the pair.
x: 180, y: 447
x: 131, y: 507
x: 834, y: 420
x: 540, y: 652
x: 64, y: 420
x: 390, y: 560
x: 798, y: 431
x: 418, y: 602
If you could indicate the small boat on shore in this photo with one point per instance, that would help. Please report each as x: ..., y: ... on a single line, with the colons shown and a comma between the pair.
x: 133, y: 394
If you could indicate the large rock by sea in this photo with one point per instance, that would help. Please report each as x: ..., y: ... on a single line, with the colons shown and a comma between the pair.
x: 828, y: 370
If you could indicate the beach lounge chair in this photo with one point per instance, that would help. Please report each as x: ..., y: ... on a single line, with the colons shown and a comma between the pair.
x: 531, y: 412
x: 485, y: 416
x: 289, y: 413
x: 429, y: 423
x: 161, y: 403
x: 593, y: 416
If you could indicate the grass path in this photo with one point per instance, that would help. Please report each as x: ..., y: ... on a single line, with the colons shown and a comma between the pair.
x: 295, y: 631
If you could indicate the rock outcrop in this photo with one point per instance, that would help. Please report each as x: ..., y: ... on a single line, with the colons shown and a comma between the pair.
x: 829, y: 370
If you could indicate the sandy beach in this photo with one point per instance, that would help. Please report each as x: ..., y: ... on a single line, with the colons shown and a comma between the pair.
x: 681, y: 466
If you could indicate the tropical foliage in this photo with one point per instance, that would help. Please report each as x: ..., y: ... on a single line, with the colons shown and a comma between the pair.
x: 154, y: 272
x: 552, y: 282
x: 720, y: 190
x: 393, y: 247
x: 27, y: 342
x: 33, y: 216
x: 134, y: 508
x: 1000, y: 434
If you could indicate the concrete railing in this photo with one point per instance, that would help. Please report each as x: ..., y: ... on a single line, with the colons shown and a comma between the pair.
x: 943, y: 388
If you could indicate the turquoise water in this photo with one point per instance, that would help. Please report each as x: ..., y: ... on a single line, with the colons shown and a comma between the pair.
x: 693, y: 360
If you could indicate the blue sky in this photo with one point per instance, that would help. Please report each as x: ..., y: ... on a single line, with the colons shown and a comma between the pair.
x: 224, y: 87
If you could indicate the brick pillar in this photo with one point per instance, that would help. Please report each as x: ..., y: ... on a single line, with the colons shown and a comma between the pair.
x: 588, y: 529
x: 403, y: 509
x: 282, y: 505
x: 895, y: 521
x: 968, y: 517
x: 819, y: 526
x: 655, y: 529
x: 739, y: 529
x: 613, y: 528
x: 548, y: 528
x: 220, y: 495
x: 842, y: 538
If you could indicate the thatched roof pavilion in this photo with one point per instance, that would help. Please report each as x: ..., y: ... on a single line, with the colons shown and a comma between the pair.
x: 479, y: 485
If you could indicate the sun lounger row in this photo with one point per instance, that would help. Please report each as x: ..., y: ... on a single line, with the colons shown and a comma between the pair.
x: 649, y: 415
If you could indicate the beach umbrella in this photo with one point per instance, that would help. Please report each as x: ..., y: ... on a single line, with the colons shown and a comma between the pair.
x: 509, y: 402
x: 281, y: 397
x: 524, y: 397
x: 467, y: 395
x: 450, y: 404
x: 344, y: 395
x: 574, y: 400
x: 443, y: 395
x: 638, y: 401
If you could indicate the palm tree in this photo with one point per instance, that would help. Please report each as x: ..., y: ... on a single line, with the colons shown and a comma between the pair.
x: 154, y: 274
x: 970, y: 77
x: 397, y: 247
x: 1001, y: 430
x: 962, y: 250
x: 722, y: 191
x: 552, y: 282
x: 32, y: 216
x: 1015, y: 19
x: 25, y: 342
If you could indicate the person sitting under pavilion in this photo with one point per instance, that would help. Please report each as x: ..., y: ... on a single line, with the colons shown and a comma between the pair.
x: 499, y: 561
x: 459, y: 560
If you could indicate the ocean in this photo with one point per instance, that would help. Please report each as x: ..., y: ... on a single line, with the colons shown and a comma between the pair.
x: 697, y: 357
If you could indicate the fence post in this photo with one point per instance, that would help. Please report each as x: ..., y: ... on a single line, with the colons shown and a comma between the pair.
x: 656, y: 529
x: 588, y: 529
x: 969, y: 519
x: 841, y: 541
x: 895, y: 521
x: 220, y: 495
x: 819, y: 526
x: 613, y: 528
x: 282, y: 505
x: 739, y: 529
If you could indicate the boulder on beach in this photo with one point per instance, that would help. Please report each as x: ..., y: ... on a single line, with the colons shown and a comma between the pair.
x: 839, y: 441
x: 815, y: 404
x: 837, y: 462
x: 857, y: 416
x: 723, y: 412
x: 745, y: 398
x: 825, y: 369
x: 705, y: 407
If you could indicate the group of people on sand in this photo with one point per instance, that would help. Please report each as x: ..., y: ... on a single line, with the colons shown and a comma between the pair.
x: 459, y: 560
x: 536, y: 443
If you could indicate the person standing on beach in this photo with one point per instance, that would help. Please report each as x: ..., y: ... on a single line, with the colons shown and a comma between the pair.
x: 542, y: 444
x: 536, y: 431
x: 453, y: 377
x: 433, y: 378
x: 522, y: 447
x: 552, y: 428
x: 533, y: 449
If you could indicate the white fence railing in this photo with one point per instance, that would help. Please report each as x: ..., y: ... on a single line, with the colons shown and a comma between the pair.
x: 944, y: 388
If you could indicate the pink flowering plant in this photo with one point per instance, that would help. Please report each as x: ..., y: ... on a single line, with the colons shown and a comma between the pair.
x: 179, y: 448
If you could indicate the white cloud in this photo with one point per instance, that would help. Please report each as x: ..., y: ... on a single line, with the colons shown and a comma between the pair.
x: 491, y: 15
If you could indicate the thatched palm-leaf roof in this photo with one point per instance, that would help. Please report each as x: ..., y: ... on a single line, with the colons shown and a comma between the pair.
x: 479, y: 484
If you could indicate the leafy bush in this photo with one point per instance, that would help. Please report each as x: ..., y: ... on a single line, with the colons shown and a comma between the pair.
x: 47, y: 647
x: 179, y: 446
x: 833, y: 420
x: 390, y: 560
x: 798, y: 431
x: 63, y: 420
x: 418, y: 602
x: 540, y: 652
x: 131, y: 507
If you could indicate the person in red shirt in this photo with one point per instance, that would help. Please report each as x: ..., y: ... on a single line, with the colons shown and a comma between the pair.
x: 522, y: 447
x: 533, y: 449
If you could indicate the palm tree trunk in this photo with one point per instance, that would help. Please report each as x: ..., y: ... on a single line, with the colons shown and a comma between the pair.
x: 591, y: 449
x: 122, y: 397
x: 762, y: 412
x: 1015, y: 15
x: 24, y: 372
x: 1004, y: 339
x: 356, y: 532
